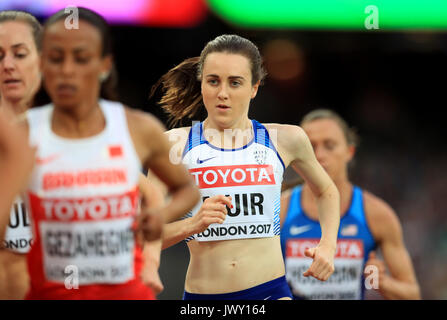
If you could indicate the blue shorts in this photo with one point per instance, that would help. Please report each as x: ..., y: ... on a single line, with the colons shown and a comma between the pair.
x: 272, y: 290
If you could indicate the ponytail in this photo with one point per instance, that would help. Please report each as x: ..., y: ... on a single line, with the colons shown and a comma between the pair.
x: 182, y: 95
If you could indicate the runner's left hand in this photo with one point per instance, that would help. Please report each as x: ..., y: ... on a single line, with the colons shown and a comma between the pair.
x: 322, y: 265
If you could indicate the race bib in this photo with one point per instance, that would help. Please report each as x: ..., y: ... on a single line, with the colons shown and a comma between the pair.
x: 100, y: 252
x: 344, y: 284
x: 91, y: 236
x: 251, y: 188
x: 18, y: 236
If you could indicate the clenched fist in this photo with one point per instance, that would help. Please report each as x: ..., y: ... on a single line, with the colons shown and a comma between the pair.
x: 213, y: 210
x: 322, y: 265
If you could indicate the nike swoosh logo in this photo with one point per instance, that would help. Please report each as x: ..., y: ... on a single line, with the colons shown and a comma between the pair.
x: 47, y: 159
x: 202, y: 161
x: 298, y: 230
x: 267, y: 298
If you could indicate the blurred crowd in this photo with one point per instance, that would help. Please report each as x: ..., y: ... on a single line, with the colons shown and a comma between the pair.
x: 414, y: 185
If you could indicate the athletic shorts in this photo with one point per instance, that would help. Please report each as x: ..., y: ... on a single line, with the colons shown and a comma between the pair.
x: 272, y: 290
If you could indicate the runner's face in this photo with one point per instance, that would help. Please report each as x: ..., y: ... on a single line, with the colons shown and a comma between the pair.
x: 227, y: 88
x: 19, y: 62
x: 330, y: 146
x: 72, y: 63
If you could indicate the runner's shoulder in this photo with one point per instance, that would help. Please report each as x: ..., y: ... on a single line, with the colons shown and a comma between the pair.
x: 176, y: 134
x: 381, y: 217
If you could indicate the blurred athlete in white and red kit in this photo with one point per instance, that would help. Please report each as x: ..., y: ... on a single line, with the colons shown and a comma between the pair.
x: 83, y: 194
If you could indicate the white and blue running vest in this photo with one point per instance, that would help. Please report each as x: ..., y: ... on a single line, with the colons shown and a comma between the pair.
x: 251, y: 175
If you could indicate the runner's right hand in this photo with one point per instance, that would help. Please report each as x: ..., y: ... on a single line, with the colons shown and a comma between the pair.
x: 213, y: 210
x: 148, y: 225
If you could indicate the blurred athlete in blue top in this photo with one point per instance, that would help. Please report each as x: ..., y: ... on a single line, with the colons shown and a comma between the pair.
x: 367, y: 222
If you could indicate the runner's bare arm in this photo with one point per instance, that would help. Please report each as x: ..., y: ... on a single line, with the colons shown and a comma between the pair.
x: 152, y: 200
x: 298, y: 152
x: 16, y: 163
x: 285, y: 199
x: 174, y: 231
x: 152, y: 195
x: 213, y: 210
x: 401, y: 282
x: 177, y: 138
x: 154, y: 149
x: 182, y: 189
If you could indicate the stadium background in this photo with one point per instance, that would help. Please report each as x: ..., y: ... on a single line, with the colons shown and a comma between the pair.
x: 388, y: 83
